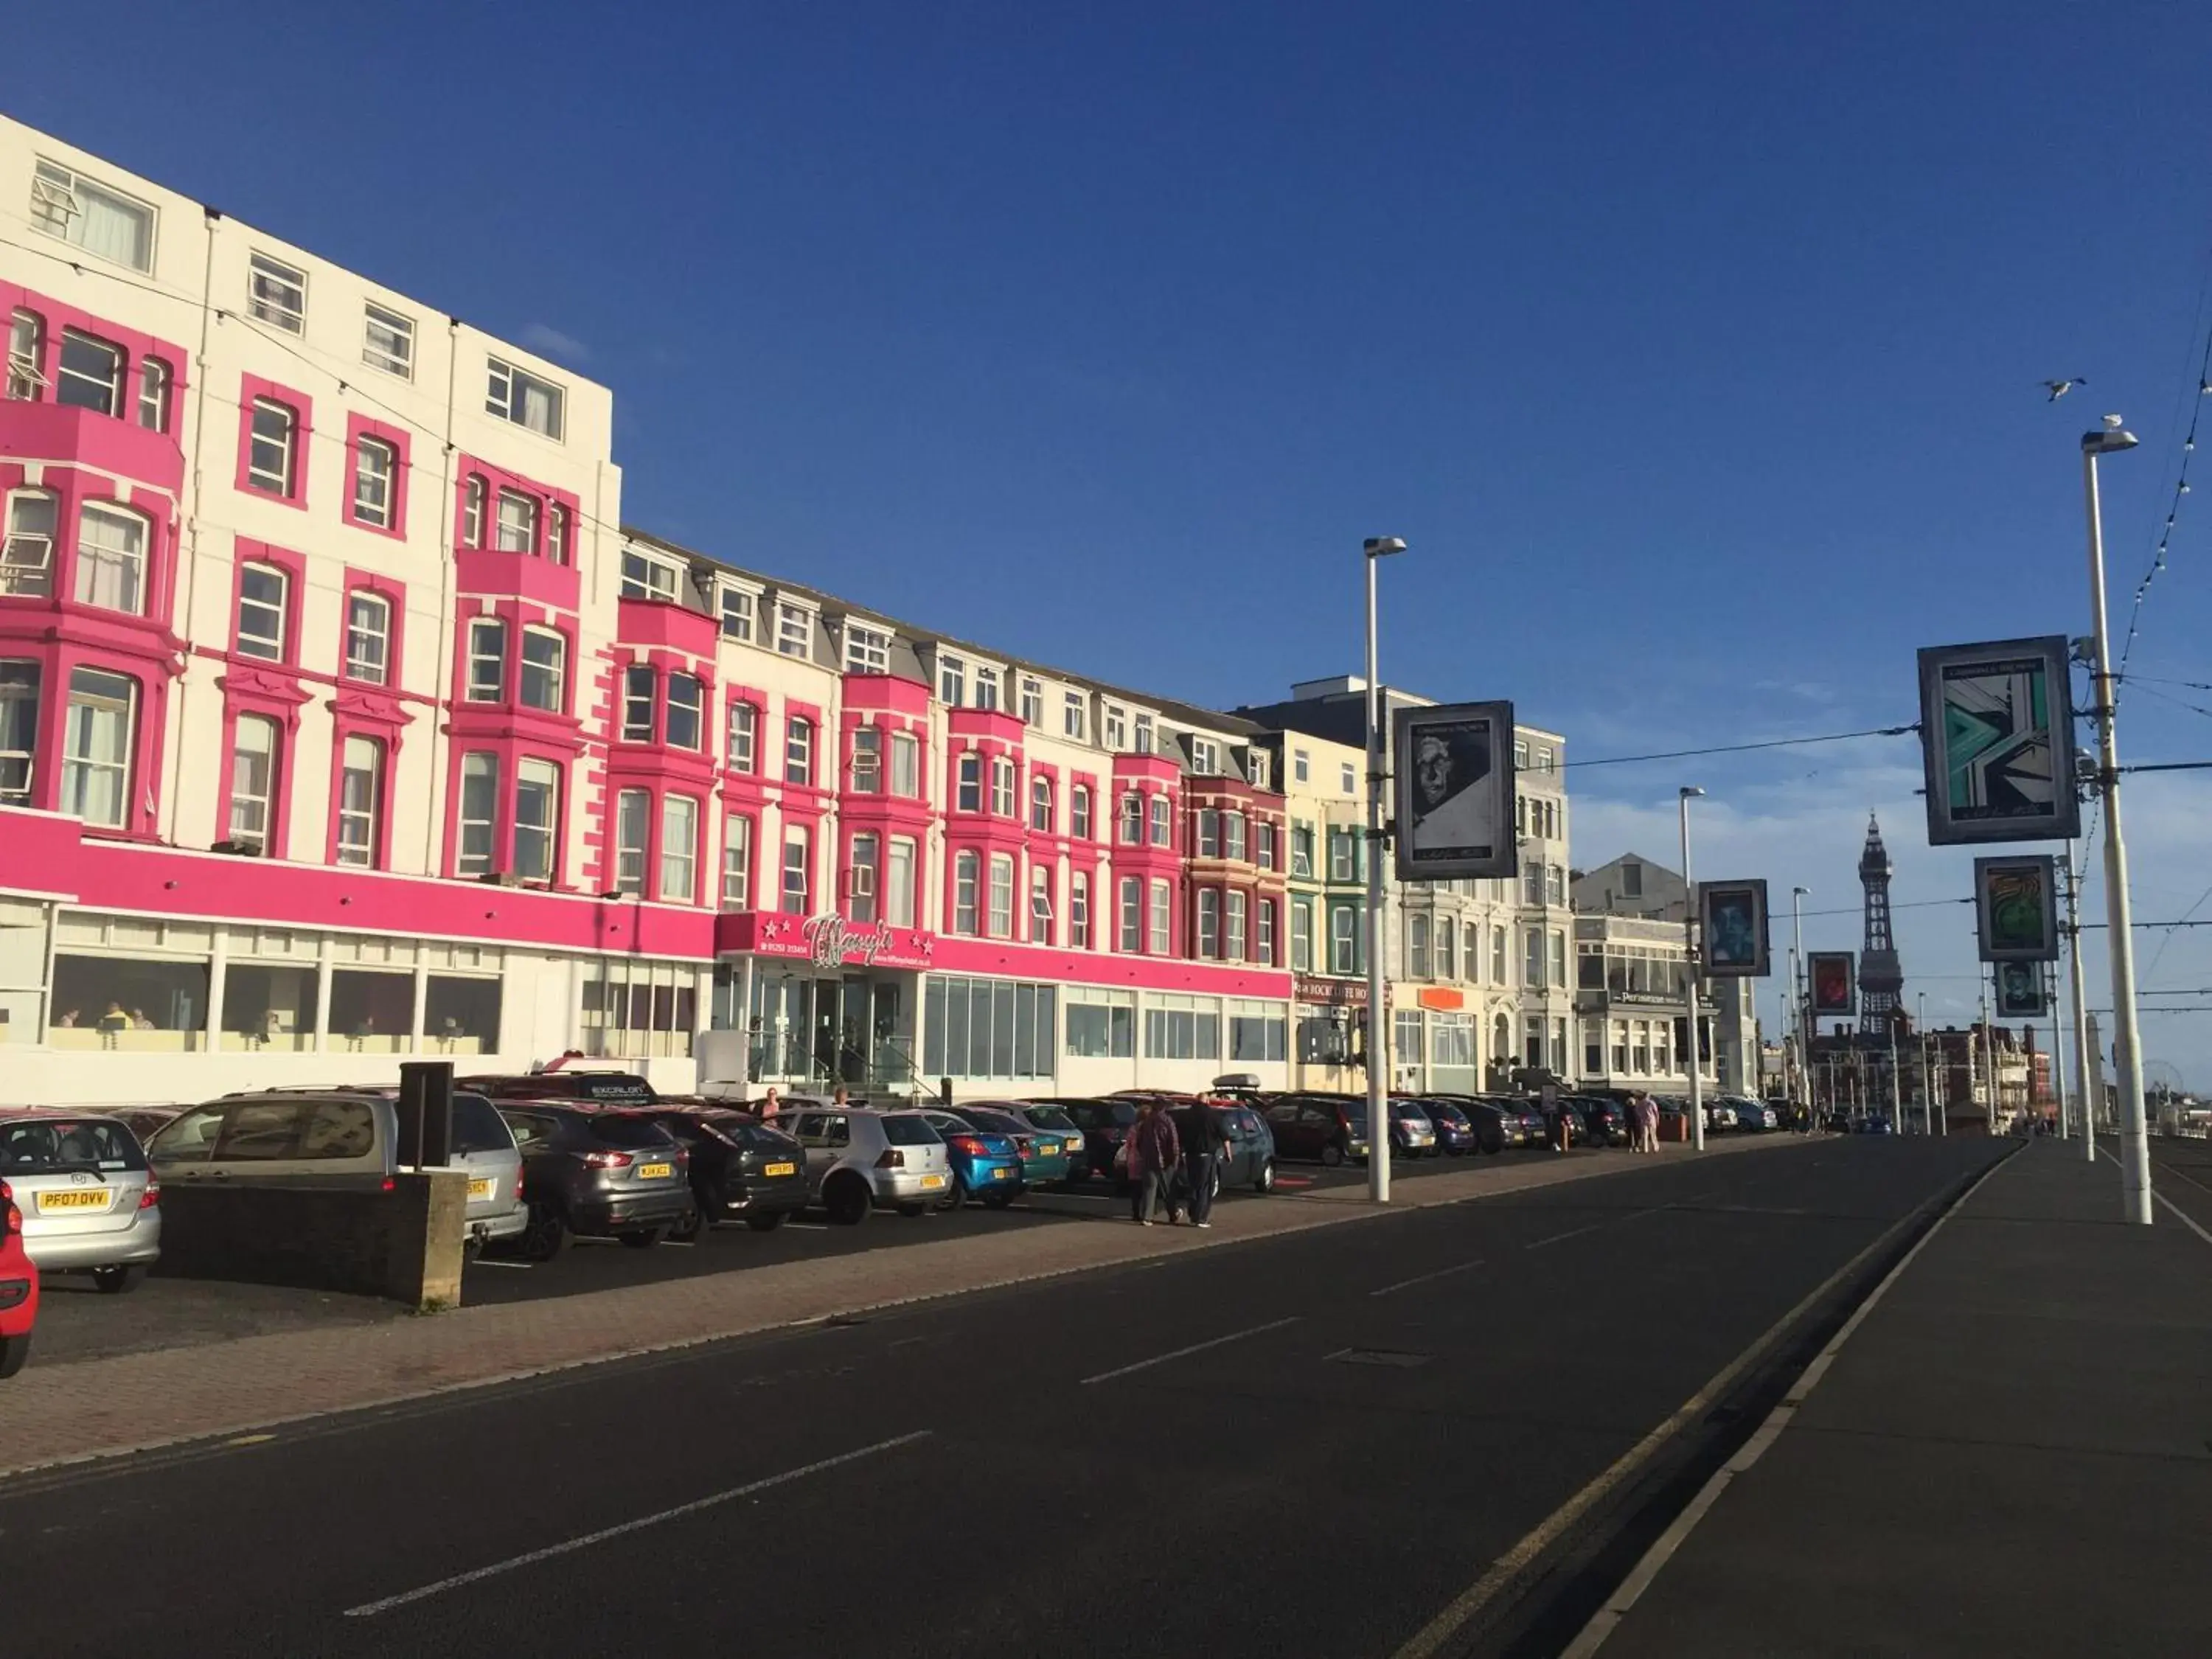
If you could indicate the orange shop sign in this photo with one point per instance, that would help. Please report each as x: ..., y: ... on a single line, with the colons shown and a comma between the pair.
x: 1442, y: 997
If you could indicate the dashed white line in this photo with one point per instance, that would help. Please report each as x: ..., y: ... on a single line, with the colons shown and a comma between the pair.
x: 370, y: 1610
x: 2172, y: 1208
x: 1195, y: 1347
x: 1423, y: 1279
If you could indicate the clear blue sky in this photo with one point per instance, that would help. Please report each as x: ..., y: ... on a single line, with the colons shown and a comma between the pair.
x: 1693, y: 349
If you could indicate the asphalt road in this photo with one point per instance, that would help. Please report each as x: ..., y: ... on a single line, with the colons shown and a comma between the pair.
x: 2182, y: 1170
x: 1304, y: 1445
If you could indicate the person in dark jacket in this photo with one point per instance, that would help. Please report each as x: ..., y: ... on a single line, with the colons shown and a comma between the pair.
x: 1153, y: 1154
x: 1198, y: 1127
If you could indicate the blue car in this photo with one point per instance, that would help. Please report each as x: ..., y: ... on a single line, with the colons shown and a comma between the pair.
x: 985, y: 1165
x: 1876, y: 1126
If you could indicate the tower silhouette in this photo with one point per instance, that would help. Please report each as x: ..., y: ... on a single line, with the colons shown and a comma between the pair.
x: 1881, y: 981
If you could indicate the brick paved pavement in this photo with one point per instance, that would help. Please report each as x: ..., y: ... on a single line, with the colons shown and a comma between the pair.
x: 134, y: 1402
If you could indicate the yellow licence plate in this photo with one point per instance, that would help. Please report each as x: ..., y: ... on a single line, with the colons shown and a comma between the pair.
x: 655, y: 1171
x: 1002, y: 1173
x: 77, y: 1198
x: 480, y: 1189
x: 930, y: 1183
x: 780, y: 1169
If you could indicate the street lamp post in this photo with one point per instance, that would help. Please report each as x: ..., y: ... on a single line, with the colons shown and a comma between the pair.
x: 1799, y: 978
x: 2081, y: 1014
x: 1690, y: 977
x: 1378, y: 1080
x: 2127, y: 1047
x: 2057, y: 1052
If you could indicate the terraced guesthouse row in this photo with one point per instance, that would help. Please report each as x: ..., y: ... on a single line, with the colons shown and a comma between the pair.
x: 341, y: 721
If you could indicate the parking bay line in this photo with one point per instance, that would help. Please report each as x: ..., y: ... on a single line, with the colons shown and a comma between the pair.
x: 1195, y: 1347
x: 370, y: 1610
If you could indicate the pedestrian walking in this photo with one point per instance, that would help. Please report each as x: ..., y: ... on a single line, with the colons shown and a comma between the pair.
x: 1647, y: 1123
x: 770, y: 1106
x: 1199, y: 1131
x: 1563, y: 1126
x: 1154, y: 1152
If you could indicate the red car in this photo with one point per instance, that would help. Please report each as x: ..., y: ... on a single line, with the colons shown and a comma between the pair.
x: 19, y: 1288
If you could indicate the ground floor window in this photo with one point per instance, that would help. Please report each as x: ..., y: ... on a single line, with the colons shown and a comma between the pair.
x: 1101, y: 1024
x: 269, y: 1007
x: 150, y: 1005
x: 1182, y: 1028
x: 460, y: 1016
x: 1257, y: 1031
x: 638, y: 1010
x: 1325, y: 1036
x: 1451, y: 1040
x: 1406, y: 1036
x: 989, y: 1028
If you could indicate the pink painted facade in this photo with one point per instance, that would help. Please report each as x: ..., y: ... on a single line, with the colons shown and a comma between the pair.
x: 490, y: 776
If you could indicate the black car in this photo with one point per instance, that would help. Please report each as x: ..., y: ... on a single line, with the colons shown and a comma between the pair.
x: 1327, y: 1129
x: 598, y: 1173
x: 1604, y: 1122
x: 1495, y: 1127
x: 1105, y: 1125
x: 595, y: 1088
x: 741, y: 1170
x: 1455, y: 1133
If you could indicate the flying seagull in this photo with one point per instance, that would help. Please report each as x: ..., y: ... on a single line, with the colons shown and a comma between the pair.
x: 2060, y: 388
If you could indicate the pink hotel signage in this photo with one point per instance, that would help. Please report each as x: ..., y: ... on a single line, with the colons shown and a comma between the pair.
x: 827, y: 941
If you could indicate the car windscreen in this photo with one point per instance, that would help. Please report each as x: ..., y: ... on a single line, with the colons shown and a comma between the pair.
x: 1048, y: 1117
x: 901, y: 1130
x: 58, y: 1145
x: 478, y: 1128
x: 997, y: 1124
x: 621, y: 1129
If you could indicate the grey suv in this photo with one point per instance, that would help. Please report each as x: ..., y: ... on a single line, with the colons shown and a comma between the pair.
x: 341, y: 1137
x: 598, y: 1174
x: 860, y: 1160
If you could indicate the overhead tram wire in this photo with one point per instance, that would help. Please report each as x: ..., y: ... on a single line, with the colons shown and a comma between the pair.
x: 1746, y: 748
x: 2203, y: 325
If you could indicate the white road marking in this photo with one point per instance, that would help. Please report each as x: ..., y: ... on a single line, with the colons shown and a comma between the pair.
x: 370, y: 1610
x: 1423, y: 1279
x: 1195, y: 1347
x: 496, y: 1262
x: 2171, y: 1209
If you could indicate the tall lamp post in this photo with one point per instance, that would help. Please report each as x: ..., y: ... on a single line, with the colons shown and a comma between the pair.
x: 2089, y: 1103
x: 1688, y: 794
x: 2135, y: 1145
x: 1799, y: 999
x: 1378, y: 1081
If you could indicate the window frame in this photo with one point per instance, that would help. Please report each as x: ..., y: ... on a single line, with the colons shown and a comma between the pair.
x: 677, y: 880
x: 382, y: 513
x: 864, y: 877
x: 80, y: 768
x: 1078, y: 811
x: 14, y: 573
x: 901, y: 863
x: 356, y: 663
x: 741, y: 742
x: 285, y: 486
x: 685, y: 696
x: 506, y: 396
x: 867, y: 647
x: 737, y: 861
x: 400, y: 363
x: 484, y: 780
x: 356, y: 838
x: 260, y: 647
x: 111, y: 386
x: 56, y: 207
x: 276, y: 292
x: 1040, y: 908
x: 528, y: 526
x: 1003, y: 802
x: 476, y: 687
x: 798, y: 750
x: 266, y: 797
x: 906, y: 765
x: 641, y: 696
x: 135, y: 562
x: 632, y: 827
x: 556, y: 670
x: 865, y: 774
x: 788, y: 612
x: 536, y: 773
x: 967, y: 917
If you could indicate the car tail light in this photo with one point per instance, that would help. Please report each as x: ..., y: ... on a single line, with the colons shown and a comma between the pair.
x: 518, y: 1186
x: 1028, y: 1148
x: 967, y: 1144
x: 151, y: 1196
x: 890, y: 1158
x: 11, y: 1218
x: 391, y: 1184
x: 607, y: 1160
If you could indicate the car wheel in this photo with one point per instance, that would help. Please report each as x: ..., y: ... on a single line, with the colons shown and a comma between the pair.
x: 847, y: 1200
x: 1265, y: 1184
x: 13, y: 1351
x: 695, y: 1222
x: 765, y: 1224
x: 955, y: 1195
x: 548, y: 1234
x: 1331, y: 1155
x: 1214, y: 1184
x: 644, y: 1238
x: 114, y: 1281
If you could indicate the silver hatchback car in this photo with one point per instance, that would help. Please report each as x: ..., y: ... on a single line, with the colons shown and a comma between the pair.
x: 860, y: 1160
x: 90, y: 1203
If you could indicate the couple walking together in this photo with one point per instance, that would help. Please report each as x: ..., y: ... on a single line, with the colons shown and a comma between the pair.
x: 1171, y: 1161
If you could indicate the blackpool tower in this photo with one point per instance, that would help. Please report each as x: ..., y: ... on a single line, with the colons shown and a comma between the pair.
x: 1881, y: 981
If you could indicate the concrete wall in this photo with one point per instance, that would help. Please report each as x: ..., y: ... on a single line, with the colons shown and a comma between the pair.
x: 403, y: 1245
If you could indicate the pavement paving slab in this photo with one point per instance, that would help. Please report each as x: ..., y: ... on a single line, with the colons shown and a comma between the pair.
x: 2012, y: 1454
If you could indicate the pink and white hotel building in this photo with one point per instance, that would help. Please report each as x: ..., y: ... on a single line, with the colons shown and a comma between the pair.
x: 341, y: 724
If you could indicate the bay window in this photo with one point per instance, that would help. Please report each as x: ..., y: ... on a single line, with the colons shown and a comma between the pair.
x: 898, y: 882
x: 19, y: 729
x: 969, y: 795
x: 91, y: 375
x: 479, y: 807
x: 679, y: 848
x: 860, y: 879
x: 1002, y: 788
x: 111, y: 558
x: 27, y: 561
x: 1209, y: 923
x: 544, y: 669
x: 1234, y: 906
x: 515, y: 529
x: 906, y: 764
x: 638, y: 683
x: 487, y: 660
x: 1163, y: 918
x: 1264, y: 933
x: 1133, y: 915
x: 1209, y: 834
x: 868, y: 761
x: 537, y: 818
x: 97, y: 730
x: 686, y: 704
x: 1002, y: 896
x: 633, y: 822
x: 1232, y: 836
x: 1159, y: 817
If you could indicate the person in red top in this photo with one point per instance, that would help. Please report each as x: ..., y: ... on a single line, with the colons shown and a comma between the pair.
x: 1154, y: 1151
